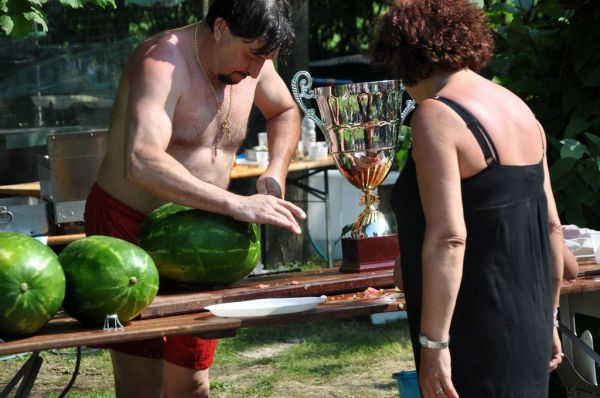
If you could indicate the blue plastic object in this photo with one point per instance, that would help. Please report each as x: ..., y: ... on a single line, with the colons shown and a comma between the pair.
x: 408, y: 384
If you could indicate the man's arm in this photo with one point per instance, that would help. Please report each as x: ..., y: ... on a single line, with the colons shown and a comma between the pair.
x: 283, y: 128
x: 156, y: 84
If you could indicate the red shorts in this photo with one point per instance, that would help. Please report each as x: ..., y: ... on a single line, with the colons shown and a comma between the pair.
x: 104, y: 215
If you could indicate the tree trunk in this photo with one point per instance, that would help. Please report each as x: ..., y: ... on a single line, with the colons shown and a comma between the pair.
x: 283, y: 247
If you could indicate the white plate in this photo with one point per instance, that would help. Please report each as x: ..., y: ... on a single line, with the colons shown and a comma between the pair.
x: 264, y: 307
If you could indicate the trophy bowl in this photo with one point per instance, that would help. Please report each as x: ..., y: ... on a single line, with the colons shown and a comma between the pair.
x: 362, y: 125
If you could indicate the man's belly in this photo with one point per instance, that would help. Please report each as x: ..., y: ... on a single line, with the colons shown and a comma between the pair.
x: 113, y: 181
x: 129, y: 194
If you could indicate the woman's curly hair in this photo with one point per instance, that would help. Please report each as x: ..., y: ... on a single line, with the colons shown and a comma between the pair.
x: 417, y: 37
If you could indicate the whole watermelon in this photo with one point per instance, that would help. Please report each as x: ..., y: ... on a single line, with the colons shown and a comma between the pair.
x: 200, y: 248
x: 32, y: 284
x: 105, y: 276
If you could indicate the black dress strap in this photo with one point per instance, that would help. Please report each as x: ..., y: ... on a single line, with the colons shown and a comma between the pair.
x: 479, y: 132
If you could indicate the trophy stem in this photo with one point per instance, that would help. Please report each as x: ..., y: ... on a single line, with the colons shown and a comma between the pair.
x: 371, y: 222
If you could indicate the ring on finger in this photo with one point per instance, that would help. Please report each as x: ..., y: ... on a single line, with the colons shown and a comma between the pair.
x: 439, y: 391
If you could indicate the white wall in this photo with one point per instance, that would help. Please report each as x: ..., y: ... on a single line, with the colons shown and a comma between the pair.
x: 343, y: 208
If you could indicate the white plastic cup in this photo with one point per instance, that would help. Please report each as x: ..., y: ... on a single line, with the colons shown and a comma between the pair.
x: 262, y: 158
x: 313, y: 151
x: 596, y: 245
x: 262, y: 139
x: 322, y: 148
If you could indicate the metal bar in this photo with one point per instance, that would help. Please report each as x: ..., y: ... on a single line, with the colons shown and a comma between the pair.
x: 30, y: 377
x: 327, y: 229
x: 28, y: 373
x: 575, y: 339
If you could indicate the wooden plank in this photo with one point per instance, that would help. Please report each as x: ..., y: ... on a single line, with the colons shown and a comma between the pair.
x: 67, y: 332
x: 238, y: 171
x: 293, y: 284
x: 24, y: 189
x: 581, y: 285
x: 55, y: 240
x: 247, y: 171
x: 64, y: 332
x: 337, y: 307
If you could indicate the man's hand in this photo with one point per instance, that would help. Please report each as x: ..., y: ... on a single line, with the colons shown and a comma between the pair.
x: 267, y: 209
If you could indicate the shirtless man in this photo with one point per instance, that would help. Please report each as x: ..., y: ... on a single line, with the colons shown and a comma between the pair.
x: 179, y: 117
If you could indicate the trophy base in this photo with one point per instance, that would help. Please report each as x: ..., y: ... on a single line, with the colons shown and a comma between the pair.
x: 369, y: 254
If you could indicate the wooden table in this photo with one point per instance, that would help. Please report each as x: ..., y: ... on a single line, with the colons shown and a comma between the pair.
x: 175, y: 312
x: 178, y: 311
x: 238, y: 171
x: 186, y: 307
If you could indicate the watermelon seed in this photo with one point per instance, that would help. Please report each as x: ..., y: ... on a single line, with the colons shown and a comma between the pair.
x: 132, y: 280
x: 24, y: 287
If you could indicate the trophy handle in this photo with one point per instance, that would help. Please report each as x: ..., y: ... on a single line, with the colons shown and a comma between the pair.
x: 410, y: 105
x: 301, y: 90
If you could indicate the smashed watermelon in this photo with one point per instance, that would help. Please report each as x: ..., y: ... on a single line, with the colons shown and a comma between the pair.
x: 107, y: 276
x: 200, y: 248
x: 32, y: 284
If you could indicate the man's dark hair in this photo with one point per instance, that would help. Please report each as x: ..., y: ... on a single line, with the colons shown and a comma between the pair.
x: 268, y: 21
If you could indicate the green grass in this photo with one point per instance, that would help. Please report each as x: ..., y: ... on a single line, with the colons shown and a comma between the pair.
x: 316, y: 354
x: 337, y: 358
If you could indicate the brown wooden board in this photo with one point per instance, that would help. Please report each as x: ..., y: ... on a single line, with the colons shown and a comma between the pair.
x: 64, y: 332
x: 294, y: 284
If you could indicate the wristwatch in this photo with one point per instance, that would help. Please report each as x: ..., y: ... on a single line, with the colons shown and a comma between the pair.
x: 434, y: 345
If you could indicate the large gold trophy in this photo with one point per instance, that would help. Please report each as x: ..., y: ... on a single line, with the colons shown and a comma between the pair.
x: 361, y: 123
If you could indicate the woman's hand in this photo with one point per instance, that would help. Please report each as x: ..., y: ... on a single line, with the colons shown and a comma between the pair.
x: 557, y: 354
x: 435, y: 375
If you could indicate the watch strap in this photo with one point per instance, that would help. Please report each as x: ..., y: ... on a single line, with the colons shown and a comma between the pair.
x: 431, y: 344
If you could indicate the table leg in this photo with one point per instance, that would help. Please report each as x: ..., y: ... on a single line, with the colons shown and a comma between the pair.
x: 323, y: 196
x: 327, y: 229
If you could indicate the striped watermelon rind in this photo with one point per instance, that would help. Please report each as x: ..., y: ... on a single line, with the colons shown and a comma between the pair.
x: 32, y: 284
x: 199, y: 248
x: 106, y: 276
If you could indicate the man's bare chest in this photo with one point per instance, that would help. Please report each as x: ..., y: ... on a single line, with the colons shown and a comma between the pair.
x: 206, y: 120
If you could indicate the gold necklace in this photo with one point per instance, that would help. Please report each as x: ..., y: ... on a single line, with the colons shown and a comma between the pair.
x: 224, y: 120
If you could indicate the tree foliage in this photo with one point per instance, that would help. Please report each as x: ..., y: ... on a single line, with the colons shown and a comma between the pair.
x: 548, y: 52
x: 20, y: 17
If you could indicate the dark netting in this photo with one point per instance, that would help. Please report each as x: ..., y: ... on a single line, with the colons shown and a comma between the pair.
x: 66, y: 80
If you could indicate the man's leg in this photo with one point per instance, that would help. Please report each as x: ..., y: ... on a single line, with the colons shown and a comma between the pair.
x: 184, y: 382
x: 136, y: 376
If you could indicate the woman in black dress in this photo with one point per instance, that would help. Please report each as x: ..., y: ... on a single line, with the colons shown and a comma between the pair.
x: 480, y: 238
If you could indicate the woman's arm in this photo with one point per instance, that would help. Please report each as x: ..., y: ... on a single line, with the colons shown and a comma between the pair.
x: 436, y: 157
x: 571, y: 267
x: 557, y: 249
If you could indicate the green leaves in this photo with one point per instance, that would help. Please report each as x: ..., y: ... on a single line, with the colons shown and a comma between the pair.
x: 548, y: 53
x: 572, y: 149
x: 576, y: 126
x: 21, y: 17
